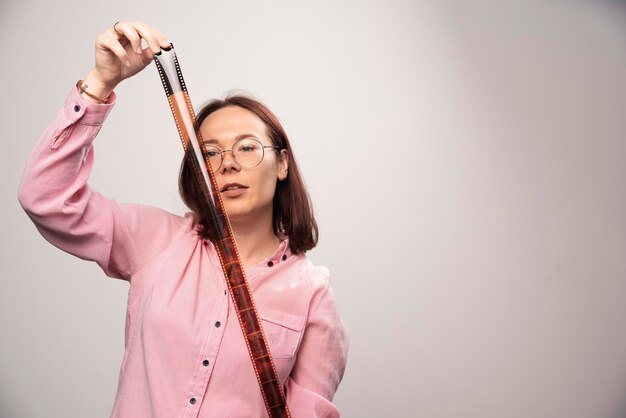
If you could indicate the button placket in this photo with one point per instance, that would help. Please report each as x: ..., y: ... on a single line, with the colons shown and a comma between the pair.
x: 215, y: 323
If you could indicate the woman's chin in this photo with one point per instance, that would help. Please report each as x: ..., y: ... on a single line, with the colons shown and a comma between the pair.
x: 237, y: 212
x: 243, y: 214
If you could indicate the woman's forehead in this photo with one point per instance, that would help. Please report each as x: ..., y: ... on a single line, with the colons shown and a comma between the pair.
x: 229, y: 123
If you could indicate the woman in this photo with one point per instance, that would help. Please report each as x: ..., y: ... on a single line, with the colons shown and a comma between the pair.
x: 185, y: 354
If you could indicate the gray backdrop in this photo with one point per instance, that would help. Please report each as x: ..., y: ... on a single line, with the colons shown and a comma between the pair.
x: 466, y: 162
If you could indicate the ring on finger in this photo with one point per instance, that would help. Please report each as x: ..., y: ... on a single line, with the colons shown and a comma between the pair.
x: 116, y: 31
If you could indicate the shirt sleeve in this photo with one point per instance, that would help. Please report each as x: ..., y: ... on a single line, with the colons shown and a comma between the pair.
x: 54, y: 192
x: 321, y: 362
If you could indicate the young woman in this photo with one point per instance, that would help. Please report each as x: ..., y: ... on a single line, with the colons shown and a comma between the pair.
x: 185, y: 354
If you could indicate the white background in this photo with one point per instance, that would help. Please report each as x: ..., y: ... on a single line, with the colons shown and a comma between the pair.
x: 466, y: 162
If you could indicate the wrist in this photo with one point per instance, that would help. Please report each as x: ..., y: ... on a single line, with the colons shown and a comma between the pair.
x: 93, y: 90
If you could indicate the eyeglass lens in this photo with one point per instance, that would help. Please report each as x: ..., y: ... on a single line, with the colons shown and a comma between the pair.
x: 247, y: 153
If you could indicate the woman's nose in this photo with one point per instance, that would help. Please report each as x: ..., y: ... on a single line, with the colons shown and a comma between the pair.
x: 228, y: 161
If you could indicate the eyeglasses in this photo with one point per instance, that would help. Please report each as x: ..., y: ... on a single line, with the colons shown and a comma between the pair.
x: 247, y: 153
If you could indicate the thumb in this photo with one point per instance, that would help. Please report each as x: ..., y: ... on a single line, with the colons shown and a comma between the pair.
x: 146, y: 56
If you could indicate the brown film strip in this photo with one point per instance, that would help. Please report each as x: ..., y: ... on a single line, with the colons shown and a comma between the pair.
x: 224, y: 241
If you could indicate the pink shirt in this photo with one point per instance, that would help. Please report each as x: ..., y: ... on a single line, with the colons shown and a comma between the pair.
x: 185, y: 354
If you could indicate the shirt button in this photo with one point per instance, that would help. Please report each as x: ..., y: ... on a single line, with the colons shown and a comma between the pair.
x: 217, y: 324
x: 192, y: 401
x: 270, y: 263
x: 284, y: 257
x: 76, y: 108
x: 205, y: 363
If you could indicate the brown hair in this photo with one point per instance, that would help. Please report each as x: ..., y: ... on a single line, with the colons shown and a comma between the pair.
x: 292, y: 210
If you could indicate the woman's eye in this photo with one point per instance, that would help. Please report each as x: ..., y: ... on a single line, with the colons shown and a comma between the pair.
x: 212, y: 153
x: 246, y: 147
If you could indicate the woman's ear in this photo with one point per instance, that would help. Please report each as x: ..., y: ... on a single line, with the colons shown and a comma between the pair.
x: 283, y: 165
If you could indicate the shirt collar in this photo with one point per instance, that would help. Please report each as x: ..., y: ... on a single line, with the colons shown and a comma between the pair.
x: 282, y: 254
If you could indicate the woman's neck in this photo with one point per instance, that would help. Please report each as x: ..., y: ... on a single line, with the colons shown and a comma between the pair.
x: 255, y: 241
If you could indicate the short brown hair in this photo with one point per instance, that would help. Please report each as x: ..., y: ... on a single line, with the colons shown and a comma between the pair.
x: 292, y: 209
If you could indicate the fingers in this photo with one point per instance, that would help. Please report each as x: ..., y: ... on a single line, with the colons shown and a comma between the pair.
x: 135, y: 32
x: 150, y: 35
x: 125, y: 29
x: 113, y: 44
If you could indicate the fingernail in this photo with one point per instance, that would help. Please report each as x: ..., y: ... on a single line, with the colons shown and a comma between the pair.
x: 138, y: 50
x: 127, y: 63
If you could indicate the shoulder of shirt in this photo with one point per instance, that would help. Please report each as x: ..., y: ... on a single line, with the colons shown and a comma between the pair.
x: 185, y: 223
x: 315, y: 276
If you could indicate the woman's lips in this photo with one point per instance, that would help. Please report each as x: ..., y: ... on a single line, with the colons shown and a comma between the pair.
x: 233, y: 189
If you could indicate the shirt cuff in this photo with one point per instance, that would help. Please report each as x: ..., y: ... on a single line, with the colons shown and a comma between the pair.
x: 80, y: 110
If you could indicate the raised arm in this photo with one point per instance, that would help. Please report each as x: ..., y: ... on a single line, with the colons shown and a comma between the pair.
x: 54, y: 190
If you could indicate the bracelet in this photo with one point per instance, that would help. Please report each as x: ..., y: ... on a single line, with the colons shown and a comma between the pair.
x: 93, y: 96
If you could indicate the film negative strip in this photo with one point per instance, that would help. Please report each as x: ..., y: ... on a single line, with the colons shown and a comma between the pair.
x: 224, y: 241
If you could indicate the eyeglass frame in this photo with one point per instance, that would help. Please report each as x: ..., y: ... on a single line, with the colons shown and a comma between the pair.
x: 275, y: 147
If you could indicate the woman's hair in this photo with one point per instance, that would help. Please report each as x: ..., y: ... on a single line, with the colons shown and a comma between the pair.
x: 292, y: 210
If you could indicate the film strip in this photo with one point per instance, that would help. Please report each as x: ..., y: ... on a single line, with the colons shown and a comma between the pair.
x: 258, y: 348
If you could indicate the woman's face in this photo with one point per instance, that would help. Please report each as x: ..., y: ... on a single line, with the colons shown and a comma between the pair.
x: 247, y: 193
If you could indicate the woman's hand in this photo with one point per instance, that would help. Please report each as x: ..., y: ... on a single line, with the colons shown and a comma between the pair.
x: 119, y: 55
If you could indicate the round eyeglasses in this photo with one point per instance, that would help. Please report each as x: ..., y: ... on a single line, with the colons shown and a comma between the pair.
x: 247, y: 153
